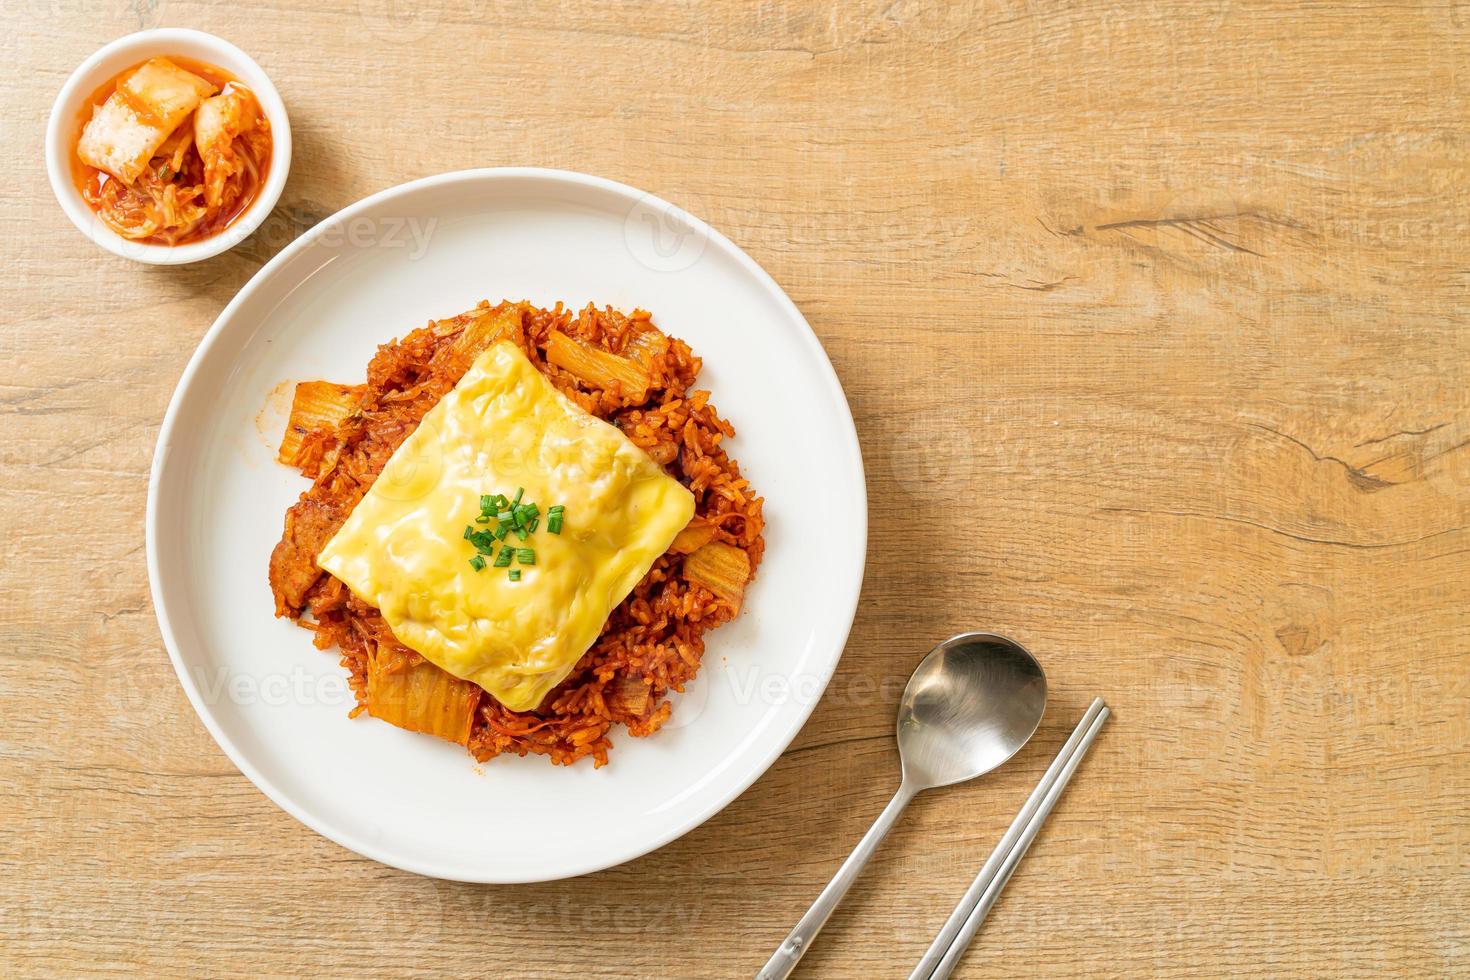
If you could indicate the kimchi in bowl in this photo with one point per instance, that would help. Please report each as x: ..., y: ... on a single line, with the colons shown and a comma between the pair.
x: 73, y: 106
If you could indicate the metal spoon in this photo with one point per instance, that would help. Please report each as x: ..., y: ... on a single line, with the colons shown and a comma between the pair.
x: 970, y: 706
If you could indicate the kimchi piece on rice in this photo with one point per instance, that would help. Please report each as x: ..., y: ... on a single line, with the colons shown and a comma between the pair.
x: 534, y: 521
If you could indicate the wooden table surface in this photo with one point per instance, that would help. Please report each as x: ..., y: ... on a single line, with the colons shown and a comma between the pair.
x: 1152, y: 316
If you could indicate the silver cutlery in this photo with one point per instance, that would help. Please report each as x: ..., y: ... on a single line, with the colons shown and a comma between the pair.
x: 969, y: 706
x: 950, y: 944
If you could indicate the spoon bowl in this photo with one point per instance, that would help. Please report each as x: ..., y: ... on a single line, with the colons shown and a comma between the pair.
x: 969, y: 706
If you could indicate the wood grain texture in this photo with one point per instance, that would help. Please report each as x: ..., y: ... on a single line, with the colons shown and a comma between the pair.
x: 1152, y: 314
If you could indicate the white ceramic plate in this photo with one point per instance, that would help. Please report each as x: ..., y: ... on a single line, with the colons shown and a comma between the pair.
x: 432, y: 248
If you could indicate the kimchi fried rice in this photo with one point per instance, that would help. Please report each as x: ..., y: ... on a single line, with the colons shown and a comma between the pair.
x: 653, y: 641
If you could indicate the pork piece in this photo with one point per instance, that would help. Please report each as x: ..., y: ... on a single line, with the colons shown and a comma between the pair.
x: 310, y: 524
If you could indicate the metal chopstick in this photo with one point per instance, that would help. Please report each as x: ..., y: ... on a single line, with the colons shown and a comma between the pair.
x: 949, y: 945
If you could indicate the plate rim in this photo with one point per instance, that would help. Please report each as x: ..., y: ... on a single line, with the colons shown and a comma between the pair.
x: 171, y: 419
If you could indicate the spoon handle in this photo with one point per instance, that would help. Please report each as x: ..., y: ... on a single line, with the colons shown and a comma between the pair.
x: 799, y: 940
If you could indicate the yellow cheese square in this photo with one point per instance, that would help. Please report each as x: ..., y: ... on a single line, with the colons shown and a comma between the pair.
x: 503, y: 427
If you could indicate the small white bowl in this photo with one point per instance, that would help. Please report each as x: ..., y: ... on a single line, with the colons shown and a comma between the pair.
x: 122, y: 54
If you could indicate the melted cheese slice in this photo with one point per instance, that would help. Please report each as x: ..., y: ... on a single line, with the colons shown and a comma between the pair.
x: 505, y: 426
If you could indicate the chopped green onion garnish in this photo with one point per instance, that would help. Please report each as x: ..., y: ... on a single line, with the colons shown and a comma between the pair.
x: 504, y: 515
